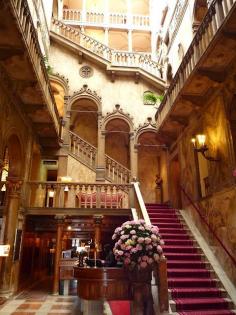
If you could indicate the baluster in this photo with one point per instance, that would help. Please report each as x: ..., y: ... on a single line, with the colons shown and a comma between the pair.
x: 98, y: 196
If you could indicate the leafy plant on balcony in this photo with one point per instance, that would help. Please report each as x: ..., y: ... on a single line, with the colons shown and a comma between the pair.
x: 47, y: 65
x: 150, y: 98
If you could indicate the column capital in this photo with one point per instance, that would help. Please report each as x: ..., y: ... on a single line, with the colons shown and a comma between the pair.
x: 98, y: 219
x: 60, y: 219
x: 14, y: 185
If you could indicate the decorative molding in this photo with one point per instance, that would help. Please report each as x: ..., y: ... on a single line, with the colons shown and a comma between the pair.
x: 86, y: 71
x: 118, y: 113
x: 61, y: 79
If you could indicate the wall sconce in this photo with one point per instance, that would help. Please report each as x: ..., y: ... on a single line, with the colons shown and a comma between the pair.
x: 200, y: 146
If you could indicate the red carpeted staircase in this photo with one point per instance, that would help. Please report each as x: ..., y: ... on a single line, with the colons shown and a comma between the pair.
x: 192, y: 283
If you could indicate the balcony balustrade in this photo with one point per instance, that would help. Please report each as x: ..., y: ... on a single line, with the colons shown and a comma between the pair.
x: 77, y: 195
x: 210, y: 25
x: 110, y: 20
x: 125, y: 59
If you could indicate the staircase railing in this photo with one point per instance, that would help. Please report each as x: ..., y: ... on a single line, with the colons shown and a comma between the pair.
x: 77, y: 195
x: 160, y: 272
x: 116, y: 172
x: 115, y: 58
x: 83, y: 150
x: 198, y: 208
x: 87, y: 153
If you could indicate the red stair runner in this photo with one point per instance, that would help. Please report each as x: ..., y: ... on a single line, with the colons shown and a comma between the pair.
x: 192, y: 288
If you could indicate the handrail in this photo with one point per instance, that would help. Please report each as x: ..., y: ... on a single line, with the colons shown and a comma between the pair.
x: 198, y: 208
x: 89, y: 144
x: 117, y: 163
x: 141, y: 203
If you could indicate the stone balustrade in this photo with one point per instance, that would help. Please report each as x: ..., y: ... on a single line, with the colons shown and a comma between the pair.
x: 211, y: 23
x: 116, y: 172
x: 77, y: 195
x: 141, y: 61
x: 79, y: 17
x: 87, y: 154
x: 83, y: 150
x: 24, y: 20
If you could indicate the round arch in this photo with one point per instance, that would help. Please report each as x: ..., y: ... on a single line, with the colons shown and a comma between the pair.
x: 118, y: 114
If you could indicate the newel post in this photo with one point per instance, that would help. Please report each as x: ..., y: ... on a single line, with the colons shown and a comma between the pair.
x: 161, y: 279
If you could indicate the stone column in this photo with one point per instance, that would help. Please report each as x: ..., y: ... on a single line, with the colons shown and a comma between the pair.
x: 130, y: 42
x: 101, y: 163
x: 106, y: 36
x: 84, y: 10
x: 97, y: 234
x: 133, y: 156
x: 56, y: 277
x: 11, y: 213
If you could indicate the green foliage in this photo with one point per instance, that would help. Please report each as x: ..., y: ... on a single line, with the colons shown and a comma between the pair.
x: 152, y: 98
x: 48, y: 67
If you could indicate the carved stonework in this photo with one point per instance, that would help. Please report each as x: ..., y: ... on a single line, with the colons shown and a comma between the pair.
x: 14, y: 186
x: 86, y: 72
x: 57, y: 77
x: 118, y: 113
x: 85, y: 92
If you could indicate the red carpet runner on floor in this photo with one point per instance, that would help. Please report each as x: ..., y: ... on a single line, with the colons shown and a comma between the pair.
x: 192, y: 288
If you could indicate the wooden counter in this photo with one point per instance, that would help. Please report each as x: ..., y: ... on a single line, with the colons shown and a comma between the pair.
x: 102, y: 283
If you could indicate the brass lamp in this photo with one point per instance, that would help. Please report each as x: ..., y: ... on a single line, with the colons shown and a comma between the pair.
x: 200, y: 146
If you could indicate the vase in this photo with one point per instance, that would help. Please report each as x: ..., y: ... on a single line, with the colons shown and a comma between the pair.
x: 141, y: 291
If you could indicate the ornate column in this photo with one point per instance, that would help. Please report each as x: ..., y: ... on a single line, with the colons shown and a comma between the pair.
x: 130, y: 41
x: 11, y: 213
x: 56, y: 276
x: 106, y: 36
x: 101, y: 163
x: 97, y: 233
x: 133, y: 156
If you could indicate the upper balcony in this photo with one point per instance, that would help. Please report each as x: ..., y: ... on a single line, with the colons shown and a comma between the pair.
x: 204, y: 67
x: 23, y: 72
x: 106, y: 20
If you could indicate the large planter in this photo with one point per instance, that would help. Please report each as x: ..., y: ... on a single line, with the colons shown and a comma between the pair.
x: 141, y: 291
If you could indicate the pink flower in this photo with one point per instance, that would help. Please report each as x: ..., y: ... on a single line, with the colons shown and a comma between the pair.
x: 162, y: 242
x: 132, y: 232
x: 141, y: 228
x: 150, y: 261
x: 128, y: 247
x: 117, y: 230
x: 159, y: 249
x: 140, y: 240
x: 123, y: 237
x: 114, y: 236
x: 134, y: 250
x: 127, y: 261
x: 139, y: 247
x: 147, y: 240
x: 134, y: 237
x: 145, y: 258
x: 120, y: 252
x: 143, y: 264
x: 153, y: 237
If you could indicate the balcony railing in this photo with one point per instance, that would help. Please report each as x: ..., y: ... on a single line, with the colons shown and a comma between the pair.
x: 28, y: 32
x: 211, y: 23
x: 139, y: 61
x: 77, y: 195
x: 79, y: 17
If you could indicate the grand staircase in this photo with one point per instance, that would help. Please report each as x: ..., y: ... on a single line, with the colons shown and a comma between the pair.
x: 193, y: 286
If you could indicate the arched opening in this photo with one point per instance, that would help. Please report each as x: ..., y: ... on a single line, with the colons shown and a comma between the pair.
x: 151, y: 167
x: 117, y: 141
x: 84, y: 120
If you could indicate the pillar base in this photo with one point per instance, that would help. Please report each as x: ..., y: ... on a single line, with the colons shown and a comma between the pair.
x: 100, y: 174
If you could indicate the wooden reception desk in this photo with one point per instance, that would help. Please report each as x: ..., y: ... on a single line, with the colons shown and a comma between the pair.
x: 102, y: 283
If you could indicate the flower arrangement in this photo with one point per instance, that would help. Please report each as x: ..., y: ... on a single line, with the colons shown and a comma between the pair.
x: 137, y: 244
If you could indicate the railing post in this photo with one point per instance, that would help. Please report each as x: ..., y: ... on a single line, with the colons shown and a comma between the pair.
x: 162, y: 285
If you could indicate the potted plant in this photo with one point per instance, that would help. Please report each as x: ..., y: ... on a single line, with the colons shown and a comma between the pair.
x: 138, y: 246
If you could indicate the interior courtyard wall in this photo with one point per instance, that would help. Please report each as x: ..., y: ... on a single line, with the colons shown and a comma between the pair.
x: 79, y: 172
x: 219, y: 206
x: 123, y: 91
